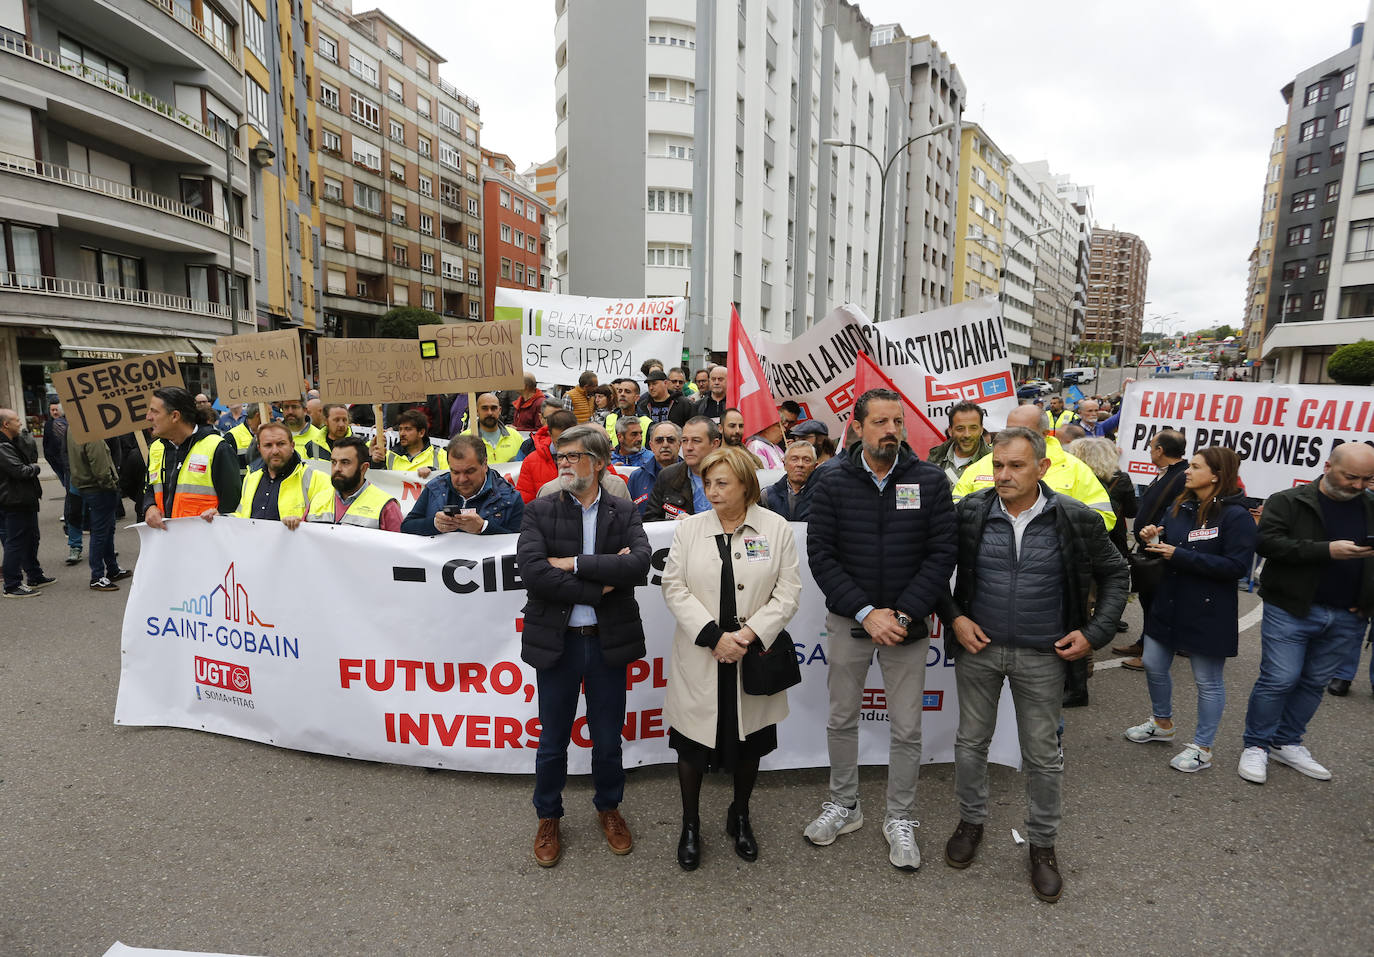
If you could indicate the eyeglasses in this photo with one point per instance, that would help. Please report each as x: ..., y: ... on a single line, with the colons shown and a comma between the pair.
x: 663, y: 440
x: 572, y: 458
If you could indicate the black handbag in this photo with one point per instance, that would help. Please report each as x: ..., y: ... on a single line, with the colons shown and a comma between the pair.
x: 765, y: 671
x: 1147, y: 571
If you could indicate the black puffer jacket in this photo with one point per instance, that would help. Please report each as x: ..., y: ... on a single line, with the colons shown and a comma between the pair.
x: 672, y: 488
x: 20, y: 488
x: 865, y: 550
x: 1089, y: 557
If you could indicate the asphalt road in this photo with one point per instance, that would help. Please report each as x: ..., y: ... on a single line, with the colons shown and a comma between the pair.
x: 180, y: 839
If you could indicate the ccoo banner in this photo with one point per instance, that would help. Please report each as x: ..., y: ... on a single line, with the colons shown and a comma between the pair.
x: 1282, y: 433
x: 215, y: 638
x: 564, y: 336
x: 937, y: 359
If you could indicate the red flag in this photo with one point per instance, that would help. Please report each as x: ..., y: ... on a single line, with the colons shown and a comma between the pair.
x: 746, y: 388
x: 921, y: 433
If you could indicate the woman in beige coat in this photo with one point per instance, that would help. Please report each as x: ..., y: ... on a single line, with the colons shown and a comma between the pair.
x: 721, y: 607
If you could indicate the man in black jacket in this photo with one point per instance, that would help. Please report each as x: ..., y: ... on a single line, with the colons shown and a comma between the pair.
x: 1021, y: 608
x: 678, y: 490
x: 20, y: 492
x: 790, y: 496
x: 881, y: 547
x: 581, y: 554
x: 1167, y: 449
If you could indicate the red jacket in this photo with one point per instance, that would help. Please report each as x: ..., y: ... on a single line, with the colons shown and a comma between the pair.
x: 525, y: 412
x: 537, y: 467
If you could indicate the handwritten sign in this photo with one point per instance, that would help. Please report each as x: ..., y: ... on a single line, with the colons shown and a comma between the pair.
x: 112, y: 398
x: 371, y: 371
x: 473, y: 357
x: 259, y: 367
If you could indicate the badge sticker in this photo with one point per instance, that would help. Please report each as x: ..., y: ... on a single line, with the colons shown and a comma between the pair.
x: 908, y: 496
x: 199, y: 463
x: 756, y: 549
x: 673, y: 512
x: 1203, y: 534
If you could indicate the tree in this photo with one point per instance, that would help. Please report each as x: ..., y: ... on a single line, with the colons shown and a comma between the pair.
x: 404, y: 322
x: 1222, y: 331
x: 1353, y: 364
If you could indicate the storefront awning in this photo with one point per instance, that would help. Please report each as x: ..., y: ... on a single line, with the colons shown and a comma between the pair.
x: 99, y: 344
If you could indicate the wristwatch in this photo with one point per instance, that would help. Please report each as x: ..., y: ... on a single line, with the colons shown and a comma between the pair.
x: 903, y: 620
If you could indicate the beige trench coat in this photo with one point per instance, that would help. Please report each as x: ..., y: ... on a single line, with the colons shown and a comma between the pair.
x: 768, y: 588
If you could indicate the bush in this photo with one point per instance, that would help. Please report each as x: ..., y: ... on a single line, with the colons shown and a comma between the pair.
x: 404, y: 322
x: 1353, y: 364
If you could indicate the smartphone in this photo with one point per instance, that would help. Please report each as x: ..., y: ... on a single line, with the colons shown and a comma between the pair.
x: 452, y: 510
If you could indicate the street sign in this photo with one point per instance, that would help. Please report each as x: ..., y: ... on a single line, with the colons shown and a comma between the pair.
x: 1150, y: 359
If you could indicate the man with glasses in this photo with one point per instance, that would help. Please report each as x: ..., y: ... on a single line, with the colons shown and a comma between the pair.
x: 664, y: 441
x: 678, y: 490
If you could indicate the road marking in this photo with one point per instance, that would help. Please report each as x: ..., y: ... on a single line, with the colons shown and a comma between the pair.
x: 1248, y: 621
x: 1109, y: 663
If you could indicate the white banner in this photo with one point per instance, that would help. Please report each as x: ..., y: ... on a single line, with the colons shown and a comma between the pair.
x: 1282, y: 433
x: 937, y: 358
x: 564, y: 336
x: 387, y: 647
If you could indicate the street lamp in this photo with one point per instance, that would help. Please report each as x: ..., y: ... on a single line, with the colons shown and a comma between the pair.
x: 262, y: 155
x: 883, y: 169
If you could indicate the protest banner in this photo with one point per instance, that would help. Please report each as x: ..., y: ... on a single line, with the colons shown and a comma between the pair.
x: 564, y: 336
x: 472, y: 357
x: 215, y: 638
x: 937, y: 359
x: 1282, y: 433
x: 371, y: 371
x: 110, y: 399
x: 258, y: 367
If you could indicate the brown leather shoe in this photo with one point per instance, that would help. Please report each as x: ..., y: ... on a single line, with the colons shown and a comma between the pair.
x: 548, y: 848
x: 1044, y: 874
x: 963, y: 844
x: 1133, y: 664
x: 1129, y: 651
x: 617, y: 831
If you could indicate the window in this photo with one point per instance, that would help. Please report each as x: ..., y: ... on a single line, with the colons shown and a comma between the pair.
x: 1292, y: 305
x: 662, y: 254
x: 1333, y: 191
x: 422, y: 105
x: 520, y: 239
x: 330, y: 142
x: 1318, y: 299
x: 519, y: 207
x: 1342, y: 116
x: 505, y: 268
x: 1323, y: 265
x: 333, y: 236
x: 449, y: 156
x: 1348, y: 79
x: 367, y: 198
x: 1312, y: 163
x: 1312, y: 129
x: 333, y: 189
x: 1337, y: 155
x: 253, y: 28
x: 505, y: 232
x: 504, y: 199
x: 1299, y: 235
x: 397, y: 130
x: 336, y: 282
x: 422, y: 65
x: 257, y: 106
x: 427, y: 298
x: 472, y: 206
x: 474, y: 310
x: 529, y: 279
x: 398, y: 171
x: 218, y: 26
x: 672, y: 90
x: 400, y: 254
x: 519, y: 272
x: 451, y: 267
x: 367, y: 243
x: 1361, y: 246
x: 1356, y: 301
x: 474, y: 277
x: 531, y: 245
x: 426, y: 262
x: 328, y: 47
x: 394, y: 46
x: 395, y: 89
x: 400, y: 294
x: 675, y: 201
x: 329, y: 95
x: 78, y: 55
x: 366, y: 155
x: 1364, y: 176
x: 365, y: 111
x: 1303, y: 199
x: 427, y: 224
x: 1328, y: 228
x: 530, y: 213
x: 363, y: 66
x: 474, y: 243
x: 422, y: 144
x: 426, y: 187
x: 1296, y: 269
x: 1320, y: 90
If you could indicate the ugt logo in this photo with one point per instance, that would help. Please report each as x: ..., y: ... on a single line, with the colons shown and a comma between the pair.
x: 223, y: 674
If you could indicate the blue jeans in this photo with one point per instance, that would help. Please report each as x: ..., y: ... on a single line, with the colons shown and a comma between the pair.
x: 582, y: 665
x: 21, y: 548
x: 1299, y: 658
x: 1351, y: 666
x: 1211, y: 689
x: 100, y: 506
x: 73, y: 512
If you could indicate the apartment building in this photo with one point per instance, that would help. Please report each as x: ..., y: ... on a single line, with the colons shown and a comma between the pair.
x: 1261, y: 263
x: 515, y: 230
x: 1120, y: 270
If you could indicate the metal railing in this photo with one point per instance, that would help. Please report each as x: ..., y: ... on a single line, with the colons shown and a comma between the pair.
x: 19, y: 46
x: 193, y: 23
x: 38, y: 169
x: 459, y: 95
x: 100, y: 292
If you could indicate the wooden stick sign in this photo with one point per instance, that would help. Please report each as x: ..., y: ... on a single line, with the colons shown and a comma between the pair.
x: 371, y: 371
x: 258, y: 367
x: 111, y: 399
x: 472, y: 356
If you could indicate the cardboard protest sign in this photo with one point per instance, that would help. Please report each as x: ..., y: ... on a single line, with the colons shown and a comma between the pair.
x: 371, y: 371
x: 259, y: 367
x: 112, y: 398
x: 472, y: 357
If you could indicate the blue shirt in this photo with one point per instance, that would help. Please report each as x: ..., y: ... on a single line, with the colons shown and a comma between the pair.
x: 700, y: 503
x: 585, y: 614
x: 639, y: 459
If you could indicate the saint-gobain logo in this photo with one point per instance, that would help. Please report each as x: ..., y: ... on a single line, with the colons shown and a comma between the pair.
x: 223, y: 674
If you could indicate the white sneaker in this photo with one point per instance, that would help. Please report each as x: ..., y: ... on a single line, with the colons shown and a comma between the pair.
x: 835, y: 819
x: 1192, y: 758
x: 1149, y: 731
x: 1254, y: 765
x: 1299, y: 759
x: 901, y: 842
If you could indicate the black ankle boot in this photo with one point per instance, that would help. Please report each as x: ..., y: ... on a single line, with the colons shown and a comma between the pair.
x: 737, y: 826
x: 689, y: 844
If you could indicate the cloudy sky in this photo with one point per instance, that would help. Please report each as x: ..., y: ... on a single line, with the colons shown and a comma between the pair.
x: 1166, y: 109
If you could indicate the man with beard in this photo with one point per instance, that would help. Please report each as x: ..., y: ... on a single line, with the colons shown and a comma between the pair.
x: 629, y: 448
x: 881, y: 543
x: 503, y: 444
x: 192, y: 469
x: 581, y: 554
x: 1318, y: 591
x: 966, y: 441
x: 1059, y: 417
x: 293, y: 414
x: 355, y: 501
x: 285, y: 488
x: 415, y: 452
x: 337, y: 425
x: 732, y: 427
x: 470, y: 497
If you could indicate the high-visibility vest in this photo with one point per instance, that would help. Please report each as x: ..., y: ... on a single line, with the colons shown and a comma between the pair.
x: 364, y: 511
x: 645, y: 423
x: 310, y: 433
x: 1063, y: 418
x: 242, y: 436
x: 430, y: 457
x: 298, y: 491
x: 194, y: 489
x: 507, y: 447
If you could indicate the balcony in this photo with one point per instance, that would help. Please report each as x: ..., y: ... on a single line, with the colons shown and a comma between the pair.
x: 104, y: 207
x: 194, y: 24
x: 39, y: 300
x: 110, y: 108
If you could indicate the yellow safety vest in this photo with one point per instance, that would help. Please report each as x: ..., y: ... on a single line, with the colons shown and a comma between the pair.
x: 311, y: 434
x: 645, y: 423
x: 194, y: 490
x: 430, y: 457
x: 297, y: 494
x: 506, y: 448
x: 1067, y: 476
x: 364, y: 511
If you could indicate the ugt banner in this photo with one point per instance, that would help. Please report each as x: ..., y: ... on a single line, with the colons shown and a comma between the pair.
x: 1282, y: 433
x: 565, y: 336
x: 937, y: 359
x: 414, y: 655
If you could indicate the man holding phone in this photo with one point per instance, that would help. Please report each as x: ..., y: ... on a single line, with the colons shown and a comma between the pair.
x: 470, y: 497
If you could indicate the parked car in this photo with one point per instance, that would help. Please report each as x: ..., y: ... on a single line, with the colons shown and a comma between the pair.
x: 1083, y: 374
x: 1033, y: 389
